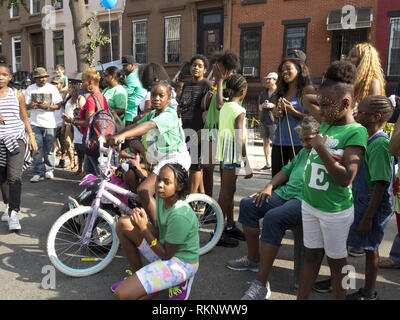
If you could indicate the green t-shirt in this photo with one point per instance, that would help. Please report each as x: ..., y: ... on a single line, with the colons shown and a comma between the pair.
x: 179, y: 225
x: 319, y: 189
x: 136, y: 93
x: 167, y: 136
x: 295, y: 171
x: 378, y: 161
x: 212, y: 119
x: 116, y: 98
x: 227, y: 149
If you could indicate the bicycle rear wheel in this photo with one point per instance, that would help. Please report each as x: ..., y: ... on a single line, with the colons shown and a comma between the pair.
x: 65, y: 246
x: 211, y: 220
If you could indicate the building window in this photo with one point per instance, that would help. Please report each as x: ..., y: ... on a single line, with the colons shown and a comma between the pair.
x: 250, y: 52
x: 139, y: 33
x: 172, y: 39
x: 58, y: 41
x: 16, y: 53
x: 58, y: 4
x: 105, y: 51
x: 14, y: 12
x: 394, y: 48
x: 295, y: 37
x: 35, y: 6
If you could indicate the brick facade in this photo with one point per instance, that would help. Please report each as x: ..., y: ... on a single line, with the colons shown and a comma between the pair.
x: 273, y: 15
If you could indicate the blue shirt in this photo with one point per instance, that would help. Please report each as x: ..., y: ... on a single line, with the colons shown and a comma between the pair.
x: 282, y: 135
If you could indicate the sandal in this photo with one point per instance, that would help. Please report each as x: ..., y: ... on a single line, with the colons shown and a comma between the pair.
x: 388, y: 264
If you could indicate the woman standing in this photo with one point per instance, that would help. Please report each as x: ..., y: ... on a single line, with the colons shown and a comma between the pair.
x: 17, y: 145
x: 370, y: 80
x: 294, y: 81
x: 115, y: 93
x: 265, y: 115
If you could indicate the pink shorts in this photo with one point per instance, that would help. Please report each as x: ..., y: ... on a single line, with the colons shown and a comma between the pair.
x: 160, y: 274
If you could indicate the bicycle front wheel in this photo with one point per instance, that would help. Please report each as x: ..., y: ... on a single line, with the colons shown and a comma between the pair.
x: 211, y: 220
x: 65, y: 246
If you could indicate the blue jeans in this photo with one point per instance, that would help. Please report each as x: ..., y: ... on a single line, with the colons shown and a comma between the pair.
x: 395, y: 251
x: 45, y: 138
x: 90, y: 165
x: 279, y: 215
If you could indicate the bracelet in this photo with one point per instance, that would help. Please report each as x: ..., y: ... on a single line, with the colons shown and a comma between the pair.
x: 153, y: 243
x: 31, y: 133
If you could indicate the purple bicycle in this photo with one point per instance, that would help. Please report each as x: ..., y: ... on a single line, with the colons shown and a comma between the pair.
x: 83, y: 240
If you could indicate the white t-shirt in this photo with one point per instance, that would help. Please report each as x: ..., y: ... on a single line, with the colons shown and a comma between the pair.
x: 49, y: 94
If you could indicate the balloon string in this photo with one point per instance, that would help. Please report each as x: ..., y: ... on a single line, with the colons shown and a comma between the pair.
x: 109, y: 30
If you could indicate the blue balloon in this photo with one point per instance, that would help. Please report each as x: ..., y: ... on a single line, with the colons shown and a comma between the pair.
x: 108, y: 4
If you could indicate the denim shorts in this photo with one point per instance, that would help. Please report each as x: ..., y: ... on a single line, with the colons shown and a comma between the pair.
x: 229, y: 165
x: 279, y: 215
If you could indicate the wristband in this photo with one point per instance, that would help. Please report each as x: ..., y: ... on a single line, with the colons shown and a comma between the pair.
x: 153, y: 243
x: 31, y: 133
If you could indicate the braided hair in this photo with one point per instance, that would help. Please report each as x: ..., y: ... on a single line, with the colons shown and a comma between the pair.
x: 234, y: 86
x: 181, y: 177
x: 379, y: 104
x: 151, y: 73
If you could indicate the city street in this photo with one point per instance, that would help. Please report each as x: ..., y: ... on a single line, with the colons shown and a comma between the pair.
x: 23, y: 256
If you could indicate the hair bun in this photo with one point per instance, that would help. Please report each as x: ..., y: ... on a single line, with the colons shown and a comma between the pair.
x: 341, y: 71
x: 228, y: 93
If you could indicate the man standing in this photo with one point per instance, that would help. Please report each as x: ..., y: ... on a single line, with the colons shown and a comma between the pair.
x: 266, y: 118
x: 43, y: 99
x: 134, y: 88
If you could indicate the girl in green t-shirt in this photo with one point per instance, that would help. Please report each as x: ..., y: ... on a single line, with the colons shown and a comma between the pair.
x: 327, y: 201
x: 165, y: 142
x: 115, y: 93
x: 172, y: 247
x: 231, y: 150
x: 224, y: 65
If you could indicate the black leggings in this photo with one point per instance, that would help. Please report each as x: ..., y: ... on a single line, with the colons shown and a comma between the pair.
x: 10, y: 178
x: 281, y: 155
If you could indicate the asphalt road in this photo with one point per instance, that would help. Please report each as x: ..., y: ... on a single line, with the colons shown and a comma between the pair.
x: 23, y: 257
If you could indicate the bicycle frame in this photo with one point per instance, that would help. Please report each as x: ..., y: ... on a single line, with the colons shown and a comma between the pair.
x: 105, y: 186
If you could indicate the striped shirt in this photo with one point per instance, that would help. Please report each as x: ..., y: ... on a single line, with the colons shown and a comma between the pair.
x: 12, y: 130
x: 9, y: 108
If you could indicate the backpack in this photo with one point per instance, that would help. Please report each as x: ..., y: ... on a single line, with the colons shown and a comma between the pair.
x: 101, y: 122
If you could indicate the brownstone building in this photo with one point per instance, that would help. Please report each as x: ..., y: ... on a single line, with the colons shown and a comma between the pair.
x: 178, y: 29
x: 264, y: 31
x: 22, y: 38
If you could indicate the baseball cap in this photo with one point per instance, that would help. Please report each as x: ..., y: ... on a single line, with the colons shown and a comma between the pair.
x: 273, y: 75
x: 128, y: 60
x: 56, y: 80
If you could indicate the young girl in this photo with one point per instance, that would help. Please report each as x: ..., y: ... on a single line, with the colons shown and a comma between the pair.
x: 164, y: 142
x: 17, y: 145
x: 223, y: 64
x: 372, y: 191
x: 172, y: 247
x: 231, y: 149
x: 327, y: 202
x: 190, y: 112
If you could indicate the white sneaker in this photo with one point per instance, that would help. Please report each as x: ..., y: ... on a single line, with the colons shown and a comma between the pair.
x: 13, y: 221
x: 36, y: 178
x: 4, y: 217
x: 49, y: 175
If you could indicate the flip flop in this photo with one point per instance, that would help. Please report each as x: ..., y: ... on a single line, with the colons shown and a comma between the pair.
x: 388, y: 264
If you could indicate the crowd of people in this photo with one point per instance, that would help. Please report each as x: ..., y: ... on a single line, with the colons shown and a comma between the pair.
x: 332, y: 165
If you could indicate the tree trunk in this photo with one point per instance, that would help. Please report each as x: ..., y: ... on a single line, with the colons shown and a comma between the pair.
x: 78, y: 12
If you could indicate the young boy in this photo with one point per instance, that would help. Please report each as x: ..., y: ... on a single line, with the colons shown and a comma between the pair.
x: 191, y: 114
x: 60, y: 70
x: 372, y: 190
